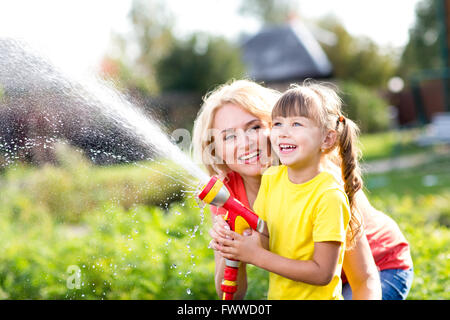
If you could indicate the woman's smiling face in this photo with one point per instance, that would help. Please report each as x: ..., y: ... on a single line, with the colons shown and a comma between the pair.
x: 241, y: 140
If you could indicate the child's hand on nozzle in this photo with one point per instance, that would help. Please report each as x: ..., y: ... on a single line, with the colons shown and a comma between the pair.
x: 245, y: 247
x: 218, y: 233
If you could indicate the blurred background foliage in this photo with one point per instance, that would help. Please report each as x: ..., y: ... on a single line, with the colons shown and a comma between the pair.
x: 107, y: 221
x: 158, y: 62
x: 368, y: 109
x: 199, y: 64
x: 153, y: 61
x: 423, y: 50
x: 136, y: 234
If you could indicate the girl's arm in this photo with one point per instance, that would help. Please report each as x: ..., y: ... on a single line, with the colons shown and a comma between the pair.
x: 318, y: 271
x: 361, y: 271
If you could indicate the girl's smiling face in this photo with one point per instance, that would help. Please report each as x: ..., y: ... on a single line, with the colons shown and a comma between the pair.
x: 241, y: 140
x: 296, y: 140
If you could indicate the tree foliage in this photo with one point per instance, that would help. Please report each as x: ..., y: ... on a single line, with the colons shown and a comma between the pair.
x: 423, y: 48
x: 163, y: 61
x: 358, y: 59
x: 353, y: 58
x: 268, y: 11
x: 365, y: 106
x: 151, y: 40
x: 199, y: 63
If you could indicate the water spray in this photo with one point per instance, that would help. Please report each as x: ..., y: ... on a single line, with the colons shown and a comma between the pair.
x: 238, y: 217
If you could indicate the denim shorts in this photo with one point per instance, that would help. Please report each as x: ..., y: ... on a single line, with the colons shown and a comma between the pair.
x: 395, y: 284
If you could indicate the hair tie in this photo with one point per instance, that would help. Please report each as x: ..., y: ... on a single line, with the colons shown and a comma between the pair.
x: 339, y: 120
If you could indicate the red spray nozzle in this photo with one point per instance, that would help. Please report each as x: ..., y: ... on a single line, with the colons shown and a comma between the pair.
x: 238, y: 217
x: 214, y: 192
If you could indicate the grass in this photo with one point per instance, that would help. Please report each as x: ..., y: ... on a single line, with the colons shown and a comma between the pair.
x: 429, y: 179
x: 390, y: 144
x: 419, y: 201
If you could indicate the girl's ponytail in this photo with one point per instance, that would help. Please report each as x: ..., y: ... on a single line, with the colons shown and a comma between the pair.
x: 351, y: 172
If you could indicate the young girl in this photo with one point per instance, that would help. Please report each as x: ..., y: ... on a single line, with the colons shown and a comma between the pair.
x: 307, y: 211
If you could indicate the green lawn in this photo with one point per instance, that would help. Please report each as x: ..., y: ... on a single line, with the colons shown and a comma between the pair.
x: 390, y: 144
x: 418, y: 199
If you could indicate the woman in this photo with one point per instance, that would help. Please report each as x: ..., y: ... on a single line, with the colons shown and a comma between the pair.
x: 230, y: 138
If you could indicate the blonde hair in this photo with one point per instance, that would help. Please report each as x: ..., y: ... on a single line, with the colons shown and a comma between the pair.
x: 322, y: 104
x: 250, y: 96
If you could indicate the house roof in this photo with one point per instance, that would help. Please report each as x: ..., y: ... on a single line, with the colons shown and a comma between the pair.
x: 285, y: 52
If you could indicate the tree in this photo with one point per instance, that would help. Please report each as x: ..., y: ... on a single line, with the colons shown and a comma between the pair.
x: 365, y: 106
x: 199, y: 64
x: 358, y: 59
x: 163, y: 62
x: 149, y: 42
x: 362, y: 68
x: 353, y: 58
x: 268, y: 11
x: 423, y: 48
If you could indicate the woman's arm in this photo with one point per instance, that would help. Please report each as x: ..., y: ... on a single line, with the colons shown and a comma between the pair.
x: 361, y: 271
x: 318, y: 271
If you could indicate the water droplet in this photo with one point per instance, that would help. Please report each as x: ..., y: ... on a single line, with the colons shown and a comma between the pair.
x: 188, y: 291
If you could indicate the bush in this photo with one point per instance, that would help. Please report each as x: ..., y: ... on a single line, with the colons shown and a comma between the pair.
x: 199, y: 63
x: 364, y: 106
x: 143, y: 253
x: 76, y: 187
x: 55, y: 220
x: 106, y: 223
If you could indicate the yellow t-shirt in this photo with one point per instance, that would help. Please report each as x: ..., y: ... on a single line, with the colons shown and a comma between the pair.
x: 298, y: 215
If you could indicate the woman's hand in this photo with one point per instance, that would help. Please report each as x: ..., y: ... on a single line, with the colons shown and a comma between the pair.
x: 217, y: 232
x: 245, y: 248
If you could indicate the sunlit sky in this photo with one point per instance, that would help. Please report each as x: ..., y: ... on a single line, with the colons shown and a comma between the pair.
x: 76, y: 33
